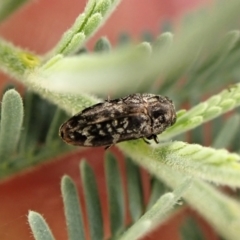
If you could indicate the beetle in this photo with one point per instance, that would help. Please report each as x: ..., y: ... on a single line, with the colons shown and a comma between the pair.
x: 132, y: 117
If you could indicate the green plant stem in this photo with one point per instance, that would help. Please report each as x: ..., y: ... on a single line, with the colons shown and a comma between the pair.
x: 16, y: 61
x: 221, y: 211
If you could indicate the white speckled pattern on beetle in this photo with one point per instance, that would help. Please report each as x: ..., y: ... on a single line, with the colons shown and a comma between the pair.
x: 107, y: 123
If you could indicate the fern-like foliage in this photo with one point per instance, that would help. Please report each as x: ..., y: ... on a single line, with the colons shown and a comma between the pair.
x: 143, y: 220
x: 191, y: 68
x: 22, y: 144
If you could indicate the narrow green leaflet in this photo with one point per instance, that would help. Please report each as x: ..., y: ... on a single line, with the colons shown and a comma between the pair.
x: 11, y: 123
x: 157, y: 213
x: 135, y: 191
x: 221, y: 211
x: 215, y: 106
x: 95, y: 13
x: 72, y: 209
x: 102, y: 45
x: 226, y: 135
x: 157, y: 190
x: 117, y: 70
x: 115, y: 195
x: 190, y: 229
x: 59, y: 118
x: 40, y: 228
x: 92, y: 200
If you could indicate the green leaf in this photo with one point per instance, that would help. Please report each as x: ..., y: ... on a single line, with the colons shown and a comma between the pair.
x: 134, y: 187
x: 92, y: 200
x: 167, y: 62
x: 191, y: 230
x: 115, y: 195
x: 201, y: 195
x: 71, y: 103
x: 92, y: 23
x: 78, y: 74
x: 7, y: 7
x: 102, y: 6
x: 38, y: 115
x: 227, y: 132
x: 75, y: 42
x: 15, y: 61
x: 27, y: 138
x: 72, y: 209
x: 213, y: 107
x: 11, y: 123
x: 217, y: 166
x: 223, y: 215
x: 59, y: 118
x: 94, y: 15
x: 102, y: 45
x: 157, y: 214
x: 39, y: 227
x: 157, y: 190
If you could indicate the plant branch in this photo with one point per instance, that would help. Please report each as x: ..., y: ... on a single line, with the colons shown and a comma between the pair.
x: 95, y: 14
x: 217, y: 166
x: 224, y: 213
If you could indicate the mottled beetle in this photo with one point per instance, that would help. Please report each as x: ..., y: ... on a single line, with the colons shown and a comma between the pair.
x: 132, y: 117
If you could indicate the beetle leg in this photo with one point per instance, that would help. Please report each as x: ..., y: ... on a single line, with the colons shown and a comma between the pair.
x: 146, y: 141
x: 155, y: 138
x: 107, y: 147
